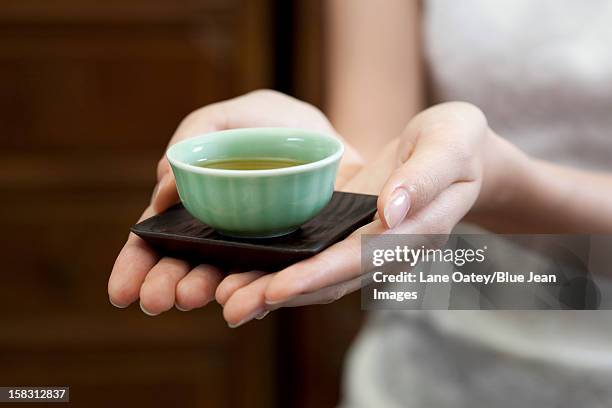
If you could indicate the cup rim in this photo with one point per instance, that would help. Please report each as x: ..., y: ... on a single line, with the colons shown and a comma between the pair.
x: 256, y: 173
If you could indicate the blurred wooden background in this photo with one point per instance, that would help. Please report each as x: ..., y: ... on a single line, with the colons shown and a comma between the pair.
x: 90, y: 93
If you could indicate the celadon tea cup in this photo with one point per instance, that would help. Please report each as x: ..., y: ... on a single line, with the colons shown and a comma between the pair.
x: 256, y: 203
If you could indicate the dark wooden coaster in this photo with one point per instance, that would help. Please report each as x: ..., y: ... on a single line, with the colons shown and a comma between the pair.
x: 176, y: 233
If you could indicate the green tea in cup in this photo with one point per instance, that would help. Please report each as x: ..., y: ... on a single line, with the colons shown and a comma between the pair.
x: 251, y: 163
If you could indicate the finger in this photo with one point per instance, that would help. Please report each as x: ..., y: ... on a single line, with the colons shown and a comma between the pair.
x: 198, y: 287
x: 233, y: 282
x: 130, y: 269
x: 157, y: 293
x: 247, y: 303
x: 342, y: 261
x: 325, y: 295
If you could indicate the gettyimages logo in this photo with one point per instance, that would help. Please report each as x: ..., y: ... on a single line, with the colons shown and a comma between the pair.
x: 412, y: 256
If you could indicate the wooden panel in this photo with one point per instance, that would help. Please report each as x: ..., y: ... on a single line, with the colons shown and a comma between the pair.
x: 81, y: 11
x: 69, y: 87
x: 201, y: 367
x: 91, y: 92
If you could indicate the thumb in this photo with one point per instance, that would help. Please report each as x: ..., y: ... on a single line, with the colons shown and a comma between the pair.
x: 439, y: 147
x: 165, y: 193
x: 415, y: 183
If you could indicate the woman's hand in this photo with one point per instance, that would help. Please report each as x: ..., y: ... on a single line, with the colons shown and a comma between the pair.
x: 446, y: 162
x: 163, y: 283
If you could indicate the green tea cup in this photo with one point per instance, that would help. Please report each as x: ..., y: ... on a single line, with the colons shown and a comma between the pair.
x: 256, y: 203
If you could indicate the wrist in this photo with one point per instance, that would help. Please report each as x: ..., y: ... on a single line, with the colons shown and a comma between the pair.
x: 508, y: 180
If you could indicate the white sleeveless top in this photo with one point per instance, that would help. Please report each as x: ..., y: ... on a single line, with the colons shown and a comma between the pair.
x: 541, y: 70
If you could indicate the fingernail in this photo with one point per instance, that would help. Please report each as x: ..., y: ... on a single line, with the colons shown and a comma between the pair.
x: 262, y: 315
x: 397, y: 208
x: 116, y: 305
x: 246, y: 320
x: 145, y: 311
x: 276, y: 302
x: 180, y: 309
x: 272, y: 306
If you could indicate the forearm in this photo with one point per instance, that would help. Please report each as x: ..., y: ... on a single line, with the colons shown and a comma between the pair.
x: 540, y: 197
x: 373, y: 71
x: 572, y: 200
